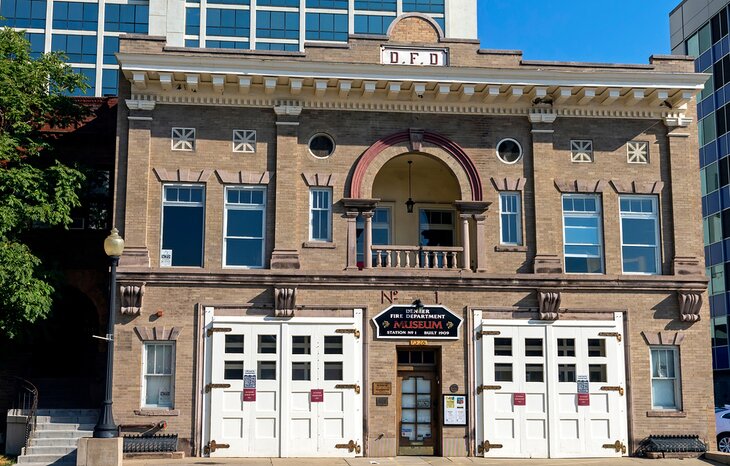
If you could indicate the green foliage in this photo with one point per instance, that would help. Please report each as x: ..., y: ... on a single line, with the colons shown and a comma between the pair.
x: 34, y: 187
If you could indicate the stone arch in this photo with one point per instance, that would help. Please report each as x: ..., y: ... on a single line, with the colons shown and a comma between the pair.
x: 437, y: 146
x: 409, y: 27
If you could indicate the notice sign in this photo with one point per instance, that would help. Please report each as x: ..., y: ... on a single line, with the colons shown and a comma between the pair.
x: 316, y: 395
x: 417, y: 57
x: 582, y: 384
x: 454, y: 410
x: 434, y: 322
x: 166, y: 258
x: 519, y: 399
x: 584, y: 399
x: 249, y: 385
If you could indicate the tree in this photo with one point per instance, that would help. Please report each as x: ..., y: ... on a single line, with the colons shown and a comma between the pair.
x: 35, y: 188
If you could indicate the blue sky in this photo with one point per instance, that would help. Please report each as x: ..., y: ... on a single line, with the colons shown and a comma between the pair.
x: 618, y: 31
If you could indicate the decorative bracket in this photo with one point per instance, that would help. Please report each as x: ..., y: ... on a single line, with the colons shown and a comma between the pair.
x: 548, y: 305
x: 690, y: 303
x: 285, y: 301
x: 131, y: 298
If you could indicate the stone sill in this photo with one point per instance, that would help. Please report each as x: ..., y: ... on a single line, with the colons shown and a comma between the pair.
x: 319, y: 245
x: 506, y: 248
x: 668, y: 413
x: 156, y: 412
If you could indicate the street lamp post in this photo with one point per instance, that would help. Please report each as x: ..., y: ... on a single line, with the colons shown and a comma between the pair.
x: 105, y: 427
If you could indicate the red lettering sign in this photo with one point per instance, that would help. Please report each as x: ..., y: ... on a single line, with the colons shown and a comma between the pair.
x: 316, y: 395
x: 584, y: 399
x: 249, y: 394
x: 519, y: 399
x: 427, y: 324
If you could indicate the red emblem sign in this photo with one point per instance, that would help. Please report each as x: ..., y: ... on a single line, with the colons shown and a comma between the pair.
x: 584, y: 399
x: 249, y: 394
x: 316, y: 395
x: 519, y: 399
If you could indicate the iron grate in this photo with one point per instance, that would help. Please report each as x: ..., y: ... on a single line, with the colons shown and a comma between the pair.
x: 674, y: 444
x: 156, y: 443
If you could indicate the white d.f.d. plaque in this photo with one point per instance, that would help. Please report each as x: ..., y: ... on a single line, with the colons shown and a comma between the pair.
x: 418, y: 57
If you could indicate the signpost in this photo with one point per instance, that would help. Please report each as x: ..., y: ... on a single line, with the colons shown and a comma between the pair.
x: 433, y: 322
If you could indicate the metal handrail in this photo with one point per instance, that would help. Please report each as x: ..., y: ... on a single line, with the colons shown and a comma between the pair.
x: 27, y: 404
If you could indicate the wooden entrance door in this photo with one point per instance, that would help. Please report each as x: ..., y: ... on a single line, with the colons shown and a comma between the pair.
x: 418, y: 387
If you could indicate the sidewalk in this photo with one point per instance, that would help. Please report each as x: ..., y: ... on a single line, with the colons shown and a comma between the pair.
x: 418, y: 461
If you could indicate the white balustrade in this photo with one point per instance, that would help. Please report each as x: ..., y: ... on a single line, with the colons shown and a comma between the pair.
x: 431, y: 257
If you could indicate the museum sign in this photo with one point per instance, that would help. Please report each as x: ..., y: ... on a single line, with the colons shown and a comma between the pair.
x: 434, y: 322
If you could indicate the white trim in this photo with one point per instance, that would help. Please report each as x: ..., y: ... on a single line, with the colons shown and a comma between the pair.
x: 327, y: 135
x: 645, y: 216
x: 518, y: 195
x: 249, y: 207
x: 328, y: 190
x: 677, y: 377
x: 499, y: 156
x: 597, y: 214
x: 164, y: 203
x: 143, y: 392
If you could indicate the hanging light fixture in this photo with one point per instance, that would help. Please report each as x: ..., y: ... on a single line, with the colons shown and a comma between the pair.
x: 409, y: 202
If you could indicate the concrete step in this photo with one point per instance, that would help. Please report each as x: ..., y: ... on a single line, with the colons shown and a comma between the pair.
x: 43, y: 426
x: 57, y: 451
x: 68, y: 412
x: 69, y: 458
x: 67, y: 419
x: 60, y: 462
x: 53, y: 442
x: 61, y: 434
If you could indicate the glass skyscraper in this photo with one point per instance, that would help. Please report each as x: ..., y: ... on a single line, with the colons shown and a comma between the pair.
x: 88, y: 31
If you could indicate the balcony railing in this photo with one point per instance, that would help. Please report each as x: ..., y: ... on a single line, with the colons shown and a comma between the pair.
x: 429, y: 257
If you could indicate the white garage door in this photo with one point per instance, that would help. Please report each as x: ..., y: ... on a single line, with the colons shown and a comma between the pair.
x: 551, y: 389
x: 307, y: 399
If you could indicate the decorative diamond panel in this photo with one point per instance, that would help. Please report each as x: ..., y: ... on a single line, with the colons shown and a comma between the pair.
x: 637, y: 152
x: 183, y: 139
x: 581, y: 151
x: 244, y: 140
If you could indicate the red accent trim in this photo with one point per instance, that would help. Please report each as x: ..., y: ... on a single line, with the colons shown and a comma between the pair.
x: 452, y: 148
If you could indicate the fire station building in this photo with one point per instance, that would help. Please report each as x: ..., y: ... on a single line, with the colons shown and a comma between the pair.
x: 408, y: 245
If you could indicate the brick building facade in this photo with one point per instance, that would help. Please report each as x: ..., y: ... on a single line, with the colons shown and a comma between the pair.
x: 544, y: 298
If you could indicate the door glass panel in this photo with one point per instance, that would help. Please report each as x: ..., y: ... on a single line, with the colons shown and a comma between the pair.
x: 566, y: 372
x: 424, y: 401
x: 596, y: 347
x: 423, y: 385
x: 233, y: 370
x: 424, y: 416
x: 408, y: 415
x: 403, y: 357
x: 424, y: 431
x: 234, y: 344
x: 428, y: 357
x: 566, y: 347
x: 597, y: 373
x: 333, y: 370
x: 267, y: 344
x: 503, y: 347
x: 416, y: 357
x: 267, y: 370
x: 409, y: 385
x: 408, y: 431
x: 300, y: 344
x: 503, y: 372
x: 333, y: 344
x: 300, y: 371
x: 533, y: 373
x: 533, y: 346
x: 408, y: 401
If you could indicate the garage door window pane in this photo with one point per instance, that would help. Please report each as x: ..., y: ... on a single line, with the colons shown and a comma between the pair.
x: 533, y: 347
x: 503, y: 372
x: 597, y: 373
x: 233, y: 370
x: 234, y: 344
x: 333, y: 371
x: 503, y: 347
x: 267, y: 370
x: 301, y: 371
x: 333, y: 345
x: 300, y: 344
x: 566, y: 372
x: 566, y: 347
x: 534, y: 373
x: 267, y: 344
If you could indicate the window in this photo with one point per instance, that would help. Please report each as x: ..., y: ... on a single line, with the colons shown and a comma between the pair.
x: 289, y: 3
x: 638, y: 151
x: 509, y: 151
x: 582, y: 233
x: 244, y: 140
x: 234, y: 23
x: 75, y: 15
x: 226, y: 44
x: 244, y: 227
x: 326, y: 26
x: 23, y: 13
x: 183, y: 220
x: 89, y: 75
x: 277, y: 46
x: 436, y: 227
x: 639, y: 234
x: 109, y: 80
x: 37, y: 44
x: 111, y: 46
x: 380, y: 229
x: 424, y: 6
x: 277, y: 24
x: 192, y: 21
x: 329, y: 4
x: 510, y: 218
x: 370, y: 24
x: 126, y: 18
x: 78, y: 49
x: 229, y: 2
x: 320, y: 214
x: 183, y: 139
x: 158, y: 367
x: 581, y: 151
x: 665, y: 377
x: 375, y: 5
x: 321, y: 146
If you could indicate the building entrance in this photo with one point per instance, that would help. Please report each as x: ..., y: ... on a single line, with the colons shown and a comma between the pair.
x: 418, y: 381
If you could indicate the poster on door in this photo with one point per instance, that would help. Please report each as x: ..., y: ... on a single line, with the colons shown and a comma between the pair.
x: 249, y: 385
x: 454, y: 410
x: 582, y: 384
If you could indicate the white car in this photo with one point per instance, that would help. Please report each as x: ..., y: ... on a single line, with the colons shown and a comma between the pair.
x: 722, y: 424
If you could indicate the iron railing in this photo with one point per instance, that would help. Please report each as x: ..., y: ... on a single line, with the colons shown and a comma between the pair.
x: 25, y: 404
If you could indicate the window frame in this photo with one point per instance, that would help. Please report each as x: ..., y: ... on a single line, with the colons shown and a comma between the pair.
x: 261, y: 207
x: 643, y: 216
x: 677, y: 377
x: 165, y: 202
x: 328, y: 210
x: 599, y: 214
x: 143, y: 393
x: 518, y: 214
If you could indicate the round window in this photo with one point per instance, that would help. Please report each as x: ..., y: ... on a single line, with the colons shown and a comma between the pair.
x: 321, y: 146
x: 509, y: 150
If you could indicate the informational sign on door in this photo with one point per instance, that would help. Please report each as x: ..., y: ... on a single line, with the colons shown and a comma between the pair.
x: 454, y: 410
x: 519, y: 399
x: 584, y: 399
x: 316, y: 395
x: 582, y: 384
x: 249, y: 385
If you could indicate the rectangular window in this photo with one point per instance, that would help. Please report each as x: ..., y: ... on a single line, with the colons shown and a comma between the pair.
x: 320, y: 214
x: 78, y: 49
x: 89, y: 77
x: 289, y: 3
x: 75, y: 16
x: 371, y: 24
x: 436, y: 227
x: 245, y: 227
x: 158, y: 369
x: 277, y: 24
x: 126, y: 18
x: 109, y: 80
x: 380, y: 229
x: 582, y: 233
x: 183, y: 220
x: 375, y: 5
x: 326, y: 26
x: 277, y: 46
x: 111, y: 46
x: 23, y: 13
x: 510, y: 218
x: 234, y: 23
x: 639, y: 234
x: 329, y: 4
x: 665, y: 378
x: 226, y: 44
x: 424, y: 6
x: 192, y: 21
x: 37, y: 44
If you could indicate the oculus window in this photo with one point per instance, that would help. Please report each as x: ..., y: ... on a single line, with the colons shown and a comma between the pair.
x: 510, y: 218
x: 583, y: 246
x: 509, y: 151
x: 183, y: 221
x: 321, y: 146
x: 639, y: 234
x: 320, y: 214
x: 244, y: 226
x: 158, y: 374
